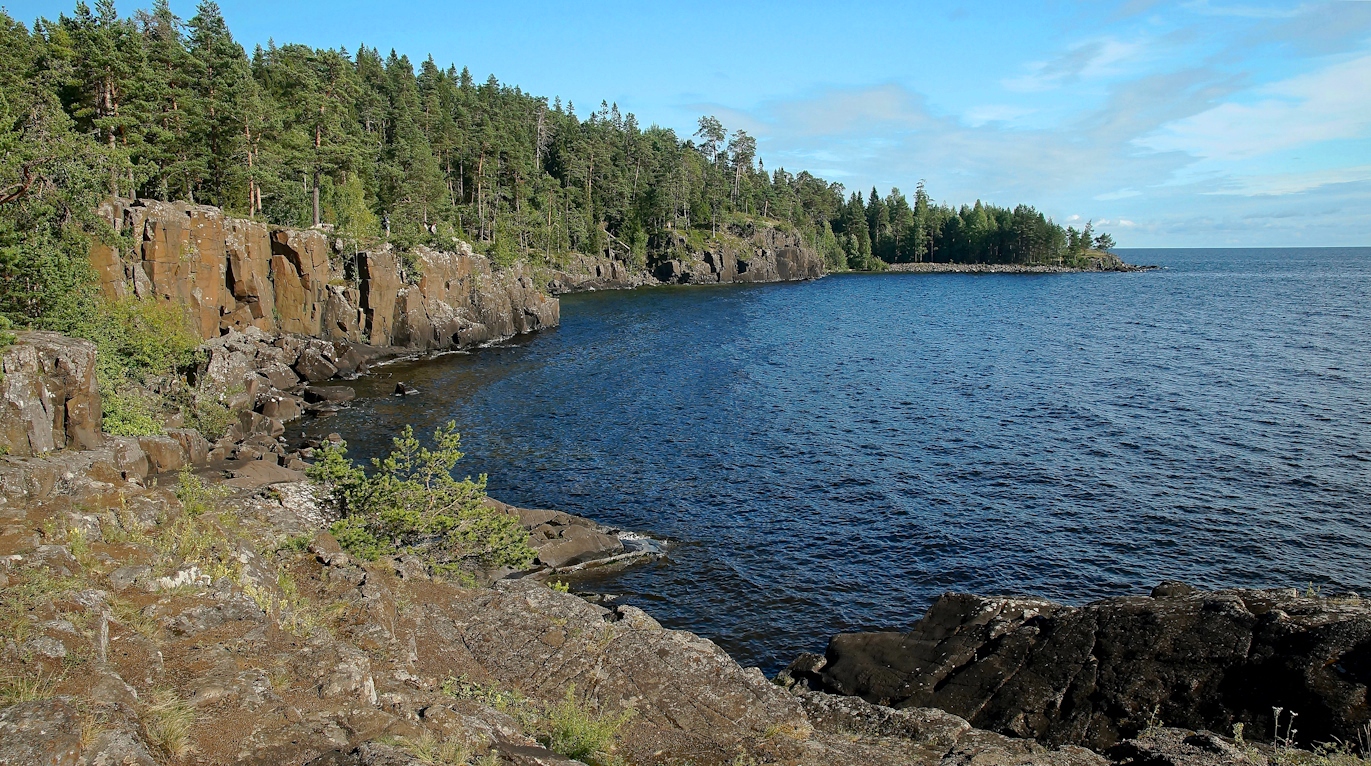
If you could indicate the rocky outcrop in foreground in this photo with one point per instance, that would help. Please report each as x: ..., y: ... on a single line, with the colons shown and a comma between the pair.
x: 149, y: 627
x: 148, y: 623
x: 1104, y: 672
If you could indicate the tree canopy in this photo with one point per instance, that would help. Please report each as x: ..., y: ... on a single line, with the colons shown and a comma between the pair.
x: 151, y: 105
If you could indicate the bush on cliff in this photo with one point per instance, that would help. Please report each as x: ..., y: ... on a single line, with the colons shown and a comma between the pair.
x: 410, y: 503
x: 144, y: 345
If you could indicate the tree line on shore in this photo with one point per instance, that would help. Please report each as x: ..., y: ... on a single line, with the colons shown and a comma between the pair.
x: 97, y: 105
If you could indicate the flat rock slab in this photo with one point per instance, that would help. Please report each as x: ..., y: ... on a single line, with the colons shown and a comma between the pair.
x: 44, y: 732
x: 337, y: 394
x: 260, y: 473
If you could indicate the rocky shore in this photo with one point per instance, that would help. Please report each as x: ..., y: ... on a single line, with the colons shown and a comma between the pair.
x: 150, y: 621
x: 175, y: 599
x: 151, y: 624
x: 1095, y: 675
x: 1097, y: 261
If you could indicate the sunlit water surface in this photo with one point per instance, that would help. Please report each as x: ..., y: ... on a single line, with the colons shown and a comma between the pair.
x: 832, y: 455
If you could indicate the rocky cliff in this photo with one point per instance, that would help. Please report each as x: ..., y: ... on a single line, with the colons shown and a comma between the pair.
x: 744, y: 252
x: 1103, y: 672
x: 234, y: 274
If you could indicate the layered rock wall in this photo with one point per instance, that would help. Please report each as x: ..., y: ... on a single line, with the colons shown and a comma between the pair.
x: 233, y: 274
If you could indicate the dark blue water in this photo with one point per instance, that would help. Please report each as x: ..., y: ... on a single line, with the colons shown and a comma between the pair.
x: 832, y: 455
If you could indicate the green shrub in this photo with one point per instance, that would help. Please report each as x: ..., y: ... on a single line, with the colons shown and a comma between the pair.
x: 410, y: 503
x: 129, y: 411
x: 143, y: 345
x: 574, y: 729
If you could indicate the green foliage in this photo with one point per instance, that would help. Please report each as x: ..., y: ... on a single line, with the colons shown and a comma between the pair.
x: 573, y: 728
x: 142, y: 347
x: 382, y: 146
x: 130, y: 411
x: 195, y: 495
x: 410, y: 503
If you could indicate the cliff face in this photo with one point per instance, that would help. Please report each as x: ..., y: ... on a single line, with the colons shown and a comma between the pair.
x: 235, y: 274
x: 745, y: 253
x: 48, y: 395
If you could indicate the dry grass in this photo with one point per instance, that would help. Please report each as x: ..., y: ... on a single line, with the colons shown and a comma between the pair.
x: 27, y: 687
x: 167, y: 721
x: 127, y: 613
x: 431, y: 751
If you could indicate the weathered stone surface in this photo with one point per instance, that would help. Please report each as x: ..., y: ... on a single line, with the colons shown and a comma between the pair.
x: 314, y: 367
x: 1098, y: 674
x: 194, y: 446
x: 283, y: 407
x: 39, y: 733
x: 259, y: 473
x: 460, y: 301
x: 565, y: 540
x: 329, y: 394
x: 743, y: 253
x: 49, y: 398
x: 300, y: 273
x: 1181, y: 747
x: 587, y: 272
x: 164, y: 453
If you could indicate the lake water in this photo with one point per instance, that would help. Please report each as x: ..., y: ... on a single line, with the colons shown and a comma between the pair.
x: 830, y: 456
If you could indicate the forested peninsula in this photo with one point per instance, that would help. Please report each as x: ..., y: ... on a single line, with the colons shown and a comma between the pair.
x: 149, y: 106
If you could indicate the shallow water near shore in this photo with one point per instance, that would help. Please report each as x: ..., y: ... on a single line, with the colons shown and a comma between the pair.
x: 830, y: 456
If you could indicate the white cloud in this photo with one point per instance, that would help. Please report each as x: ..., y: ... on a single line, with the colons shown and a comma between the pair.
x: 1332, y: 103
x: 1293, y: 183
x: 1089, y: 60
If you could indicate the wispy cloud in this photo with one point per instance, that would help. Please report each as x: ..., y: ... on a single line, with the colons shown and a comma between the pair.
x: 1095, y: 58
x: 1246, y: 11
x: 1328, y: 104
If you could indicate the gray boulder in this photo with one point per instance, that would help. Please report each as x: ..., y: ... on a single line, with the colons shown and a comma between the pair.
x: 49, y: 398
x: 46, y: 732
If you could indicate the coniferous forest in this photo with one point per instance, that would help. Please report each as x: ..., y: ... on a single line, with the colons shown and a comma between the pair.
x: 150, y: 105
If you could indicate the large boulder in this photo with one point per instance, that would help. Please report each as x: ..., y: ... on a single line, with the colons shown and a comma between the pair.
x: 40, y: 733
x: 1104, y: 672
x: 49, y: 398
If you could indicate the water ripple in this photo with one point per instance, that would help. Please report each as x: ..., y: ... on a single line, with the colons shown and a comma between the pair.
x: 832, y: 455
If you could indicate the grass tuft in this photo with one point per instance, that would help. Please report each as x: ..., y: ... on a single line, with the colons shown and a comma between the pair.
x: 168, y: 721
x: 431, y: 751
x: 27, y: 687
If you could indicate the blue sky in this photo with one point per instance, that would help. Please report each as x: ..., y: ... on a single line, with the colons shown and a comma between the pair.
x: 1195, y: 123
